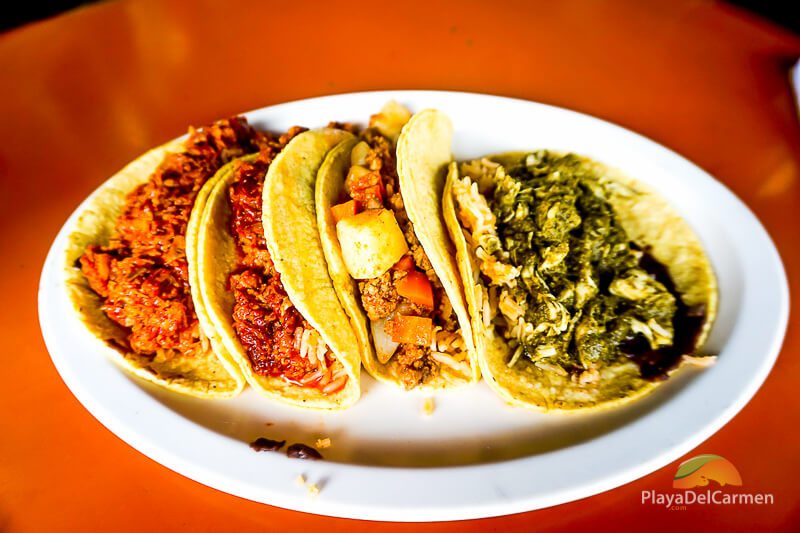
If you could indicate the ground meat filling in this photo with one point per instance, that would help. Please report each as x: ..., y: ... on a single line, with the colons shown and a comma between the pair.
x: 379, y: 296
x: 142, y: 273
x: 278, y: 341
x: 416, y: 365
x: 380, y: 299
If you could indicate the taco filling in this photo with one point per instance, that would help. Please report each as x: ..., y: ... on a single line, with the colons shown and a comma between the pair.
x: 278, y: 340
x: 562, y: 282
x: 141, y: 275
x: 413, y: 325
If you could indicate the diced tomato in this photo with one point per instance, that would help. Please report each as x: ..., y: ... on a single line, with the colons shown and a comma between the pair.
x: 357, y: 176
x: 416, y: 287
x: 371, y: 197
x: 366, y: 187
x: 375, y: 191
x: 344, y: 210
x: 406, y: 263
x: 412, y: 330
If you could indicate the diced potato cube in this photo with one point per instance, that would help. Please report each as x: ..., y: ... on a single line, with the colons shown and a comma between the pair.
x: 371, y: 242
x: 358, y: 156
x: 344, y: 210
x: 390, y: 120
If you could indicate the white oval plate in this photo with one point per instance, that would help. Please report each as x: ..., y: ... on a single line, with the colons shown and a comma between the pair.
x: 475, y: 456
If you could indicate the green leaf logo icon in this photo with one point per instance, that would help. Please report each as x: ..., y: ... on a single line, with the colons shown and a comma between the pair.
x: 694, y: 464
x: 701, y: 470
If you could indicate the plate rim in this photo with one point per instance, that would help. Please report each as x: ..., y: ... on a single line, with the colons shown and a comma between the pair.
x: 212, y: 478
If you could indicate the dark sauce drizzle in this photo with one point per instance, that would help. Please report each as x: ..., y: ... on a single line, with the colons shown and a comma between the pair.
x: 263, y: 444
x: 687, y: 323
x: 301, y: 451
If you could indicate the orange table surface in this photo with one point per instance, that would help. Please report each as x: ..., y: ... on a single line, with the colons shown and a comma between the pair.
x: 85, y: 92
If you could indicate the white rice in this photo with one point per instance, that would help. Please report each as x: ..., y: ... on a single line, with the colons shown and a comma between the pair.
x: 339, y: 372
x: 314, y: 340
x: 304, y: 343
x: 458, y: 343
x: 551, y: 368
x: 312, y: 347
x: 588, y: 376
x: 445, y: 359
x: 205, y: 344
x: 321, y: 349
x: 703, y: 361
x: 448, y: 349
x: 479, y: 297
x: 298, y: 335
x: 515, y: 357
x: 326, y: 377
x: 663, y: 337
x: 436, y: 330
x: 468, y: 237
x: 493, y: 301
x: 448, y: 341
x: 308, y: 378
x: 334, y: 385
x: 486, y: 308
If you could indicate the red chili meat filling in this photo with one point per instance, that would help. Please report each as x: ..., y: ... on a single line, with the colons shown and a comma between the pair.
x: 142, y: 273
x: 279, y: 342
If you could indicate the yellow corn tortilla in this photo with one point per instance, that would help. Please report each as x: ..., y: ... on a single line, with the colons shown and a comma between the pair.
x: 648, y: 219
x: 211, y: 374
x: 293, y: 240
x: 326, y: 192
x: 423, y: 151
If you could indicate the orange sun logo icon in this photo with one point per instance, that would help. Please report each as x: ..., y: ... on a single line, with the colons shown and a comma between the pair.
x: 701, y: 470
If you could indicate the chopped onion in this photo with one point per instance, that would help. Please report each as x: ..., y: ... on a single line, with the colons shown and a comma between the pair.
x: 384, y: 345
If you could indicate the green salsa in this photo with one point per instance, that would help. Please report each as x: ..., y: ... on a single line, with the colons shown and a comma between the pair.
x: 580, y: 286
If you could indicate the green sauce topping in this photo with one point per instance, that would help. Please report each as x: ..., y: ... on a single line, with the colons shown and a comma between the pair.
x: 580, y: 283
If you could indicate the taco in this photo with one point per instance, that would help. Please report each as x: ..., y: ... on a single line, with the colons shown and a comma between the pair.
x: 262, y: 287
x: 127, y: 270
x: 585, y: 288
x: 387, y: 250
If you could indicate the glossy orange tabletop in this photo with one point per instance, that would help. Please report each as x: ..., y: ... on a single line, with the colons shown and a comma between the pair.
x: 82, y: 94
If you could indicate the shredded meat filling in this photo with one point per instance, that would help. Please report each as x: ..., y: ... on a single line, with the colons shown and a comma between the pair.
x: 142, y: 273
x: 266, y: 322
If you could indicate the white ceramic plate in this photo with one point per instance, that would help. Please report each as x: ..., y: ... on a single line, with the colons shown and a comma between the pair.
x: 474, y: 457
